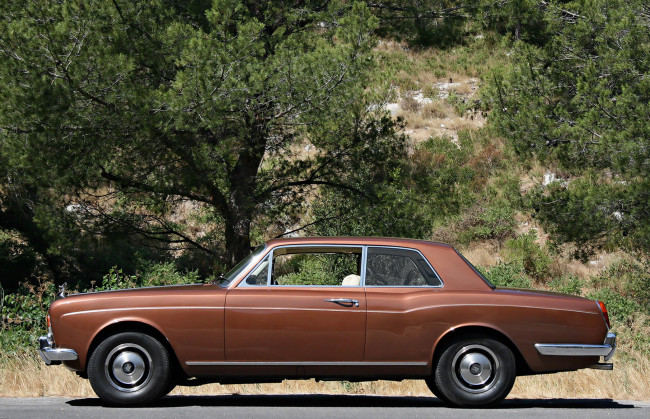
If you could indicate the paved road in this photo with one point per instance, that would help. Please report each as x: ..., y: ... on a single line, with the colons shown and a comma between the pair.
x: 317, y: 406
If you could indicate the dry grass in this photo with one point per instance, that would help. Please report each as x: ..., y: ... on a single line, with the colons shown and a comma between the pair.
x: 27, y: 377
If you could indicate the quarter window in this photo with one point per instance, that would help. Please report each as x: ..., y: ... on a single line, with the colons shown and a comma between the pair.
x: 259, y: 276
x: 398, y: 268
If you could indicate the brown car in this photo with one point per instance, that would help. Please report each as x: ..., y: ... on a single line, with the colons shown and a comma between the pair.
x: 350, y: 308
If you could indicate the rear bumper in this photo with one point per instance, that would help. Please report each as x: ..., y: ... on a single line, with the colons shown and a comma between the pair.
x: 606, y: 350
x: 52, y: 355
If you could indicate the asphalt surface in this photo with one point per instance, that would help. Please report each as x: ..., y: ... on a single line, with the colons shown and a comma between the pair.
x: 318, y: 406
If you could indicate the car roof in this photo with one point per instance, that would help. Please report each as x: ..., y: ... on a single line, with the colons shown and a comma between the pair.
x: 370, y: 241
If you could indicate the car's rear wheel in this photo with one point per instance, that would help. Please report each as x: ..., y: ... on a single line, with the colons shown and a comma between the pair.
x: 129, y: 368
x: 431, y: 383
x: 474, y: 372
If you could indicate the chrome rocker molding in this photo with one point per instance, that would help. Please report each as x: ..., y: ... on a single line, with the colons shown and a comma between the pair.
x: 305, y: 363
x: 607, y: 349
x: 54, y: 356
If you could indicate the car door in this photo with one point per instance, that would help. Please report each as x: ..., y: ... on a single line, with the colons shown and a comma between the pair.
x: 293, y: 311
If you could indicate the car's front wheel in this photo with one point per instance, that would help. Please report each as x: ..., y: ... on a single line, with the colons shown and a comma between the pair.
x: 474, y: 372
x: 129, y: 368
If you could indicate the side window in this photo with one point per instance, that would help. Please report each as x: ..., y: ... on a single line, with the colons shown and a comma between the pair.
x: 398, y: 268
x: 313, y: 266
x: 259, y: 276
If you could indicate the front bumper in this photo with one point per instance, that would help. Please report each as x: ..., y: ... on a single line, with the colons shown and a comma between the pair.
x: 606, y: 350
x: 52, y: 355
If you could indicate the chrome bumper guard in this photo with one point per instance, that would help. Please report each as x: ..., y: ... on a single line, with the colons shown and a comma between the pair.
x: 607, y: 349
x: 52, y: 355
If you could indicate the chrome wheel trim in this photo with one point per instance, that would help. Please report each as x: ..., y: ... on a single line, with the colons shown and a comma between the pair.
x: 475, y: 368
x: 128, y: 367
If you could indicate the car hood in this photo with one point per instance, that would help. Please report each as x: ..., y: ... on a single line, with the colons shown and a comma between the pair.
x: 146, y: 290
x: 195, y: 294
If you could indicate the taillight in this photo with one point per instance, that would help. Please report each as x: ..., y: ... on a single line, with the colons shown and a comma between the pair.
x: 603, y: 310
x: 49, y: 324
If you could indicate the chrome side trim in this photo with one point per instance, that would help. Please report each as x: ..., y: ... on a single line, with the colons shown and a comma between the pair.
x: 51, y: 355
x: 306, y: 363
x: 296, y: 309
x: 143, y: 308
x: 474, y: 305
x: 607, y: 349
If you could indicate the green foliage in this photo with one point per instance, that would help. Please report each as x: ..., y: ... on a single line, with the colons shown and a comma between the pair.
x: 620, y: 308
x: 535, y: 259
x: 496, y: 221
x: 115, y: 279
x: 150, y: 274
x: 17, y: 260
x: 630, y: 281
x: 582, y: 101
x: 570, y: 284
x: 163, y: 106
x: 521, y: 19
x: 315, y: 269
x: 165, y: 273
x: 508, y: 275
x: 422, y: 23
x: 403, y: 200
x: 26, y: 309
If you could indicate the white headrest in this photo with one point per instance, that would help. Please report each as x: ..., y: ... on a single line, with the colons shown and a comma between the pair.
x: 351, y: 281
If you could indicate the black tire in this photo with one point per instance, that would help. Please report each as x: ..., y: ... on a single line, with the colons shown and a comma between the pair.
x: 431, y: 383
x: 129, y: 369
x: 474, y: 372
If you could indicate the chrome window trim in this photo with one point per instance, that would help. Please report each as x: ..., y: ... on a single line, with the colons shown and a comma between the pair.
x: 339, y: 246
x: 243, y: 283
x: 364, y: 264
x: 442, y: 284
x: 249, y: 268
x: 305, y: 363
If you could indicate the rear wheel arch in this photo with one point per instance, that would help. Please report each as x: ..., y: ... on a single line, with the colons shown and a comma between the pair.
x: 478, y: 332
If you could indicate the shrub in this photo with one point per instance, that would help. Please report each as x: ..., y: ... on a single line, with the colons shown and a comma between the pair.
x: 535, y: 259
x: 631, y: 280
x: 496, y: 221
x: 508, y: 275
x: 23, y: 316
x: 570, y: 284
x: 165, y: 273
x: 619, y: 307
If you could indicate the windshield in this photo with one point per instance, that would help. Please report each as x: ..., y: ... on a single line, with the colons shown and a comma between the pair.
x: 226, y: 279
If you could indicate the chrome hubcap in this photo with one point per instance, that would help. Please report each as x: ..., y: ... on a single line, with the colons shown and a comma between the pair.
x: 475, y: 368
x: 128, y: 367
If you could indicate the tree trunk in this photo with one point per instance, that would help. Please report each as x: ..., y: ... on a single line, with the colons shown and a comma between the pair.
x: 242, y: 205
x: 238, y: 242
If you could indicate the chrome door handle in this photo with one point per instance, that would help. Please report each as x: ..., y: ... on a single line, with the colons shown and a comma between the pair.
x: 345, y: 302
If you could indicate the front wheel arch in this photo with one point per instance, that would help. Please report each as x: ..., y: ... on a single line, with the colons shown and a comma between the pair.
x: 137, y: 327
x: 130, y: 368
